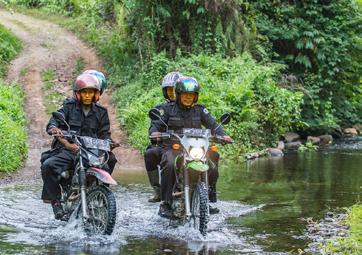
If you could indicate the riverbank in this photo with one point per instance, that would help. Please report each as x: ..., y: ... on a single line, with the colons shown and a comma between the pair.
x: 337, y: 233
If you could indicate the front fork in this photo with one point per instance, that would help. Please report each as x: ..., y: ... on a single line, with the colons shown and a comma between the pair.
x: 82, y: 183
x: 203, y: 177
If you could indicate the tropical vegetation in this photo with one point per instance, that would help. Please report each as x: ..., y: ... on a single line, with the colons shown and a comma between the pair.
x: 276, y: 65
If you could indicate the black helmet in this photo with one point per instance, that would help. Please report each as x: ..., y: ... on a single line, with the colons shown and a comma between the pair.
x: 187, y: 84
x: 169, y: 81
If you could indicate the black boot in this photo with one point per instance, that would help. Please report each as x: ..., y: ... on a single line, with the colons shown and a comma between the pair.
x: 153, y: 176
x: 57, y: 209
x: 212, y: 194
x: 213, y: 199
x: 165, y: 210
x: 213, y: 210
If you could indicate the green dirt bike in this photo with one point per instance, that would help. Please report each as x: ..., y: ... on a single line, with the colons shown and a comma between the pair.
x: 190, y: 202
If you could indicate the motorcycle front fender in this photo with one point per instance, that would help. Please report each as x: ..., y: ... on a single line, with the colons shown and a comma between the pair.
x: 101, y: 175
x: 198, y: 166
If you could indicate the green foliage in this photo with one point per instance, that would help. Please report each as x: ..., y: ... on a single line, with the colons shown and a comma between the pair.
x: 321, y: 44
x: 309, y: 146
x: 9, y: 46
x: 200, y: 26
x: 12, y: 121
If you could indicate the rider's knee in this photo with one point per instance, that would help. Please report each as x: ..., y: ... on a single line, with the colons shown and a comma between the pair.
x: 46, y: 166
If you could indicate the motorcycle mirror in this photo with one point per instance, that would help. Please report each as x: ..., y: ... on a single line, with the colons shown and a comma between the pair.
x: 60, y: 117
x: 225, y: 118
x: 154, y: 114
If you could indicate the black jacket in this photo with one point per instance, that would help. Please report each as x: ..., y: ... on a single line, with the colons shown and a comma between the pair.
x: 95, y: 124
x: 178, y: 118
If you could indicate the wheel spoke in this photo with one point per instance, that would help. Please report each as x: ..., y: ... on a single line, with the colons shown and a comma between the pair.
x: 98, y: 211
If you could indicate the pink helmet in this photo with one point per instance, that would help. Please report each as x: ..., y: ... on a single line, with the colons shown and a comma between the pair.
x: 86, y: 81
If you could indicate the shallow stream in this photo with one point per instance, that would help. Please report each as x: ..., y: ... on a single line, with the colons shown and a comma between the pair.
x: 264, y: 205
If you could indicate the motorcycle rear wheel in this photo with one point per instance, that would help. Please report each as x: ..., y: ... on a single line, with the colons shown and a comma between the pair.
x: 102, y: 211
x: 200, y: 208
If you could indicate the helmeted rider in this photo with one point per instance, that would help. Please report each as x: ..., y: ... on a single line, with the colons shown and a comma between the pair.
x: 184, y: 113
x: 152, y: 154
x: 86, y: 118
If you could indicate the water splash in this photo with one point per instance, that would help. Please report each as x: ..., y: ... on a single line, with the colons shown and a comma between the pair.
x: 34, y: 225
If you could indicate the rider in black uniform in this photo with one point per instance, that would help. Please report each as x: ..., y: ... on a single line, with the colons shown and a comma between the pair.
x: 184, y: 113
x: 87, y: 118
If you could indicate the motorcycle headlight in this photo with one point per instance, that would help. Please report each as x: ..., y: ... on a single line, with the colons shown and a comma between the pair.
x: 95, y: 161
x: 196, y: 153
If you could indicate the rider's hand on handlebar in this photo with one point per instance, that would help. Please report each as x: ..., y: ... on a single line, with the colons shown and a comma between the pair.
x: 227, y: 139
x: 115, y: 144
x: 72, y: 147
x: 56, y: 132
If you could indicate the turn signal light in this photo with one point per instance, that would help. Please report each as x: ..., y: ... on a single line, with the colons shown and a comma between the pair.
x: 214, y: 148
x: 176, y: 146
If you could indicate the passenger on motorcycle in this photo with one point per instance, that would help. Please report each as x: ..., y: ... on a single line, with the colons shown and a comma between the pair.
x: 152, y: 154
x: 184, y: 113
x: 87, y: 118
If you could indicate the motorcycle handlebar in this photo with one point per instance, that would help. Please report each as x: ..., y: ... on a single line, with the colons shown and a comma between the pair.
x: 220, y: 139
x: 166, y: 136
x: 72, y: 135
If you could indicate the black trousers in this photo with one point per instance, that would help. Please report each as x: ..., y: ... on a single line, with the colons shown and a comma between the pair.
x: 152, y: 157
x: 168, y: 176
x: 55, y: 165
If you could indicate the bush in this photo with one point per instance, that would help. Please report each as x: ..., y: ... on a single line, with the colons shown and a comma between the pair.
x: 12, y: 121
x: 9, y: 46
x: 321, y: 44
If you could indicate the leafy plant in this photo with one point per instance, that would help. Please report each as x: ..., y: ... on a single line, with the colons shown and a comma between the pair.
x: 12, y: 122
x: 320, y: 43
x: 9, y: 47
x: 308, y: 146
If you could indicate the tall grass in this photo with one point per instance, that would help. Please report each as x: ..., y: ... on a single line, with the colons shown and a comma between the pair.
x: 13, y: 147
x: 9, y: 47
x: 352, y: 244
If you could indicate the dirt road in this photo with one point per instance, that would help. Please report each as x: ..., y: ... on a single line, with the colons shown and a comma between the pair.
x: 47, y: 46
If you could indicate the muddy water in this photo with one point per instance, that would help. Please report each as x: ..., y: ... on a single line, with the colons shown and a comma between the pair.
x: 263, y: 206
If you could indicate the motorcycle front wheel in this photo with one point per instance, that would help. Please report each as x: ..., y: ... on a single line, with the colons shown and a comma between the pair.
x: 102, y: 211
x: 200, y: 208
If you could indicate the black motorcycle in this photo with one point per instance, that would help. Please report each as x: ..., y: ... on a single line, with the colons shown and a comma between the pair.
x: 84, y: 189
x: 190, y: 202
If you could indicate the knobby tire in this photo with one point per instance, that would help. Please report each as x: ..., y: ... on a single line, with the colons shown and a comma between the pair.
x: 200, y: 207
